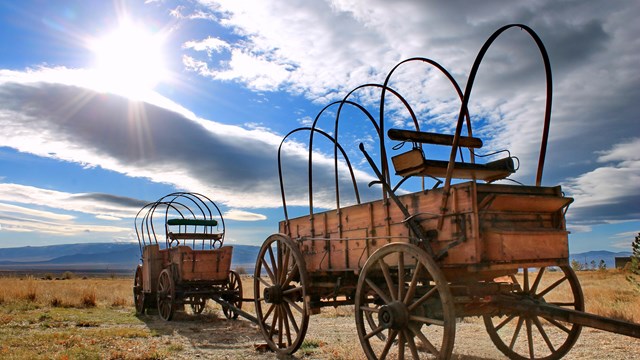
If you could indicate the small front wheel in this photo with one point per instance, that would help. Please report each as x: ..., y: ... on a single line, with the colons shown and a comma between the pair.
x: 279, y: 285
x: 233, y: 288
x: 404, y: 308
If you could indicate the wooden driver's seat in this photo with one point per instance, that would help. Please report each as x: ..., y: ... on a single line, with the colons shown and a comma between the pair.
x: 413, y: 162
x: 205, y: 233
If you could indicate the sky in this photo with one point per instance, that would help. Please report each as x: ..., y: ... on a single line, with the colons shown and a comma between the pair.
x: 108, y: 105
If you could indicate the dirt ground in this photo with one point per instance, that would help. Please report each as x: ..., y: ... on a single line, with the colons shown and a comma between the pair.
x: 211, y: 336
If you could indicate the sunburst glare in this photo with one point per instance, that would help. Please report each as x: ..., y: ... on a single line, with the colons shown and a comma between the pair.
x: 129, y: 60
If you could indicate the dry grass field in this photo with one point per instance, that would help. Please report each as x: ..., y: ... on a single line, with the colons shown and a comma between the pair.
x: 94, y: 319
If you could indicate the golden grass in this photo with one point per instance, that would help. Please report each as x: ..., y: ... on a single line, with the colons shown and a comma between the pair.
x: 95, y: 318
x: 75, y: 292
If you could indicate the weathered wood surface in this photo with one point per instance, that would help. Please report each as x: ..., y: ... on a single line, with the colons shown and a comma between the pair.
x: 495, y: 225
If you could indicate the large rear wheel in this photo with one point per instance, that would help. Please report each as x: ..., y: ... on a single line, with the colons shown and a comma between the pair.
x: 404, y: 308
x: 528, y: 336
x: 279, y: 286
x: 166, y: 295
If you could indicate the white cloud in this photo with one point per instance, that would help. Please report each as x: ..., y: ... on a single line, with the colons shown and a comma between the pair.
x: 210, y: 45
x: 74, y: 124
x: 325, y: 48
x: 103, y: 205
x: 241, y: 215
x: 24, y: 211
x: 611, y: 191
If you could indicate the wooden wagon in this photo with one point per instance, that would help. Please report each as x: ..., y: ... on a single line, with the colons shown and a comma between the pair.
x: 183, y: 257
x: 412, y: 263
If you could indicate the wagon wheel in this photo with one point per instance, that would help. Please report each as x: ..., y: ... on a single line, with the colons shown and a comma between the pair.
x: 234, y: 287
x: 281, y: 309
x: 528, y: 336
x: 198, y: 303
x: 166, y: 295
x: 138, y: 292
x: 414, y: 309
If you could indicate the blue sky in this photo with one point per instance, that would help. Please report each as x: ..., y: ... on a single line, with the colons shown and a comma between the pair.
x: 107, y: 105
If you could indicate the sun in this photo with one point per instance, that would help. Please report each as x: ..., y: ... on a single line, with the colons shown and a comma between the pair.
x: 129, y: 60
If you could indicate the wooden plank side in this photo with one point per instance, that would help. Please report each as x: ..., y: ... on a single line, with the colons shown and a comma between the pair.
x: 211, y: 265
x: 507, y: 246
x: 153, y: 260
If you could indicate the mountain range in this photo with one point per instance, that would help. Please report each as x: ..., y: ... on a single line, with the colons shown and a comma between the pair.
x: 126, y: 256
x: 110, y: 257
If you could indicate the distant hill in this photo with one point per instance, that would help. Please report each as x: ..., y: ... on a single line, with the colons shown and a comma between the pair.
x: 96, y: 256
x: 125, y: 257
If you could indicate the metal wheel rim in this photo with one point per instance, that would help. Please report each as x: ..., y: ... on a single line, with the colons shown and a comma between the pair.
x: 278, y: 321
x: 235, y: 285
x: 417, y: 334
x: 166, y: 295
x: 531, y: 328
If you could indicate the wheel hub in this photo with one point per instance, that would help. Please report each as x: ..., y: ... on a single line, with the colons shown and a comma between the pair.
x: 273, y: 294
x: 394, y: 315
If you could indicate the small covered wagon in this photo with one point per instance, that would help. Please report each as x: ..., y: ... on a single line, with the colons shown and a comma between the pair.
x: 412, y: 263
x: 183, y: 257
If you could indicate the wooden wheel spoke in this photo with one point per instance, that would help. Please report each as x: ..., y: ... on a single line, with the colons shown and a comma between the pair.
x: 264, y: 282
x: 422, y: 299
x: 285, y: 320
x: 530, y: 338
x: 374, y: 332
x: 558, y: 325
x: 425, y: 320
x: 525, y: 278
x: 294, y: 305
x: 378, y: 291
x: 266, y: 315
x: 292, y: 318
x: 505, y: 322
x: 292, y: 274
x: 412, y: 344
x: 292, y: 290
x: 387, y: 346
x: 413, y: 285
x: 536, y: 282
x: 543, y: 333
x: 279, y: 257
x: 369, y: 309
x: 552, y: 286
x: 430, y: 347
x: 285, y: 266
x: 516, y: 333
x: 401, y: 342
x: 269, y: 271
x: 400, y: 274
x: 280, y: 325
x: 273, y: 265
x: 387, y: 277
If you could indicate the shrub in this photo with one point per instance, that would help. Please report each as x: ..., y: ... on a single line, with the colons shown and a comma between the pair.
x: 88, y: 298
x: 67, y: 275
x: 241, y: 270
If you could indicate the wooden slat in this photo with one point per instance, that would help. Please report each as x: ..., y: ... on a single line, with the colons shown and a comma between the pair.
x: 194, y: 236
x: 433, y: 138
x: 526, y: 203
